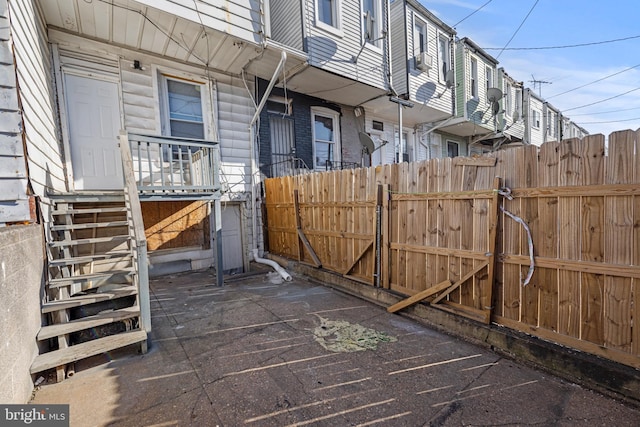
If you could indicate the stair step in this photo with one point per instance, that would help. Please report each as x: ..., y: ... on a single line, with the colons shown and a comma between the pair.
x: 100, y: 319
x: 87, y: 349
x: 61, y: 243
x: 80, y: 300
x: 76, y: 210
x: 88, y: 197
x: 89, y: 225
x: 66, y: 281
x: 116, y: 256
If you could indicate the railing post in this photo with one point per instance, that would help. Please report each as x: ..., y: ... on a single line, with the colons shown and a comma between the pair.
x: 131, y: 191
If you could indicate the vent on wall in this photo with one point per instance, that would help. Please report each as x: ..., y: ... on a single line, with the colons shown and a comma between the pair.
x: 423, y: 61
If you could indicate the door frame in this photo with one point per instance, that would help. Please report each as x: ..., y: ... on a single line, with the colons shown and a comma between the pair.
x: 60, y: 72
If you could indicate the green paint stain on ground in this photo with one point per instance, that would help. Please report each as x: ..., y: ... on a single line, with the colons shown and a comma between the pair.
x: 341, y: 336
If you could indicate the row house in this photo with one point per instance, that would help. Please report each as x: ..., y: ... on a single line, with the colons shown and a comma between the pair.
x: 128, y: 149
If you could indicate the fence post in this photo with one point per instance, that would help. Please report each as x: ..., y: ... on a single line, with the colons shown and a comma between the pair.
x: 378, y: 257
x: 494, y: 217
x: 384, y: 268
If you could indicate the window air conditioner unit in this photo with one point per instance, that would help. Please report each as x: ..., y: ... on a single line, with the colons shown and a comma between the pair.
x: 423, y: 61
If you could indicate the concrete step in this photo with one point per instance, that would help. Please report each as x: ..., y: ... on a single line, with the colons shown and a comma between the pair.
x: 63, y: 356
x: 60, y: 329
x: 80, y: 300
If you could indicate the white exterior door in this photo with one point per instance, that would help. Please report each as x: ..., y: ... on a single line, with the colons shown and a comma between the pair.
x: 232, y: 239
x: 93, y: 112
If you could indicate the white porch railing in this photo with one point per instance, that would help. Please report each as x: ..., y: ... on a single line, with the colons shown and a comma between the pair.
x: 169, y: 165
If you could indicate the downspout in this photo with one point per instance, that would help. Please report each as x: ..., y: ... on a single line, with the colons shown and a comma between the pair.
x: 254, y: 173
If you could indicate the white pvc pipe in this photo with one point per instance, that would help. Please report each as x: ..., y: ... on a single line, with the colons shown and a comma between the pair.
x: 254, y: 172
x: 286, y: 276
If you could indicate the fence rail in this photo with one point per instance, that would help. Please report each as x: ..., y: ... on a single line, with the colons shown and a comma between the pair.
x: 441, y: 221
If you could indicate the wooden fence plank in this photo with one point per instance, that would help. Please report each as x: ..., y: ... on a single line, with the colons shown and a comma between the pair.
x: 617, y: 310
x: 592, y: 308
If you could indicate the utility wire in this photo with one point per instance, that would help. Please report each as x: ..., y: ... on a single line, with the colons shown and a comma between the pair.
x: 471, y: 14
x: 564, y: 46
x: 604, y: 100
x: 518, y: 29
x: 595, y: 81
x: 612, y: 121
x: 605, y: 112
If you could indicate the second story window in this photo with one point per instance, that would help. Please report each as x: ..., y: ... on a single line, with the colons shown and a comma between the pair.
x: 443, y: 57
x: 535, y: 119
x: 474, y: 78
x: 371, y: 21
x: 489, y: 75
x: 507, y: 100
x: 420, y: 37
x: 327, y: 12
x: 184, y: 108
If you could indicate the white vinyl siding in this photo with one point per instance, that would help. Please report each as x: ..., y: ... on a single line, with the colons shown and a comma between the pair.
x: 334, y: 51
x: 425, y: 87
x: 285, y: 23
x: 400, y: 32
x: 39, y: 112
x: 239, y: 18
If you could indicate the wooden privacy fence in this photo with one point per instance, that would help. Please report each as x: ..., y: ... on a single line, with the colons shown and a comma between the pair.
x: 443, y: 236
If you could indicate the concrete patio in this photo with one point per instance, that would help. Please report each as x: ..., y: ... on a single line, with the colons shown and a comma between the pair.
x: 259, y: 352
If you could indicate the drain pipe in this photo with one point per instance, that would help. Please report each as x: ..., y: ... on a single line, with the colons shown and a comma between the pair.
x: 254, y: 173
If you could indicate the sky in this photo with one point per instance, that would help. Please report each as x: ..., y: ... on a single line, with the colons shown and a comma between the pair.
x: 552, y: 23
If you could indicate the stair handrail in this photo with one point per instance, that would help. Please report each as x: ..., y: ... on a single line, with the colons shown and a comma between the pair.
x: 131, y: 190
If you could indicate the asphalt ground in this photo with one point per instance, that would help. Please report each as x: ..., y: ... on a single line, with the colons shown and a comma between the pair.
x: 263, y: 352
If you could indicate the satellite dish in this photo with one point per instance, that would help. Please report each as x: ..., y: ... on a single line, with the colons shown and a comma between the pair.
x: 494, y: 94
x: 367, y: 143
x: 449, y: 78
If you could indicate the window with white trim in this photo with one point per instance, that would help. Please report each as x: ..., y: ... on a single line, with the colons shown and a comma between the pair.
x: 443, y: 57
x: 535, y: 119
x: 489, y: 77
x: 474, y: 78
x: 371, y: 21
x: 184, y: 108
x: 326, y: 137
x: 453, y: 149
x: 518, y: 101
x: 419, y: 37
x: 403, y: 148
x: 507, y: 100
x: 328, y: 14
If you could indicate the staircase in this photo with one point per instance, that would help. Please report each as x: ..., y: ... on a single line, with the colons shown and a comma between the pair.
x: 92, y: 296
